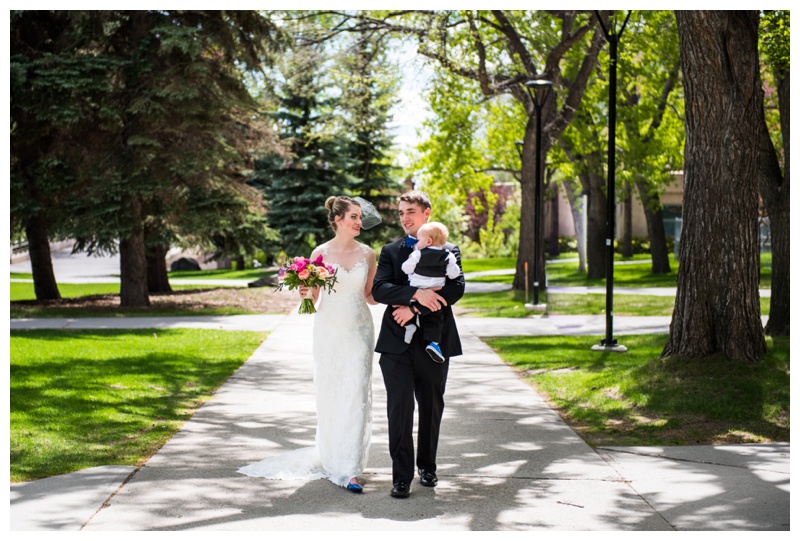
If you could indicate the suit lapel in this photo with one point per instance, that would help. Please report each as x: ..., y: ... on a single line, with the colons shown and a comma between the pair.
x: 403, y: 252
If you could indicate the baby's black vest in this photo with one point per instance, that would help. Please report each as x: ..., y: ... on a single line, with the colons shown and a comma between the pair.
x: 432, y: 263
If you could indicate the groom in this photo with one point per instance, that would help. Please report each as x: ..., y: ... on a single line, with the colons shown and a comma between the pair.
x: 408, y: 370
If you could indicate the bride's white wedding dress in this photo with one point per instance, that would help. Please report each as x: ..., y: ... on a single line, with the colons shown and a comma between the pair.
x: 344, y: 341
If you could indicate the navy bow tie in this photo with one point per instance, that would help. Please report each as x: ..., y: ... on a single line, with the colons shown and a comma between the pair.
x: 410, y: 242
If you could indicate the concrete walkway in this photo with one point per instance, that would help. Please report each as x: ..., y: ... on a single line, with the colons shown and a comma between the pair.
x: 506, y: 460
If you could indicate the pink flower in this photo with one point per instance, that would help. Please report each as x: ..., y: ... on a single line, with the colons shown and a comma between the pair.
x: 322, y: 273
x: 303, y: 274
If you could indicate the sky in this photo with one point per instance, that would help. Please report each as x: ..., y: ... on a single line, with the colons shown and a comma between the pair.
x: 412, y: 110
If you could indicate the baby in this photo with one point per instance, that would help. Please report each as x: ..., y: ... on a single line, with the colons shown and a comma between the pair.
x: 427, y: 267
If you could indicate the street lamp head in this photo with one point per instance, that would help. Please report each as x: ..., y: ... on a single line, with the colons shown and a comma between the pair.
x: 533, y: 86
x: 538, y: 83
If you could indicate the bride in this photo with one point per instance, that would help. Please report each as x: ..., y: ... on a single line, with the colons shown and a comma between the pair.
x: 343, y: 345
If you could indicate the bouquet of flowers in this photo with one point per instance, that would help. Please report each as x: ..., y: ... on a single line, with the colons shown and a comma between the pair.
x: 304, y: 272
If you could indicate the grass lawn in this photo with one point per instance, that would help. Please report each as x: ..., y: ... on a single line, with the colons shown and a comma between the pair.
x: 487, y: 264
x: 637, y: 398
x: 215, y: 274
x: 90, y: 398
x: 511, y: 303
x: 632, y: 275
x: 627, y: 275
x: 222, y: 274
x: 23, y: 291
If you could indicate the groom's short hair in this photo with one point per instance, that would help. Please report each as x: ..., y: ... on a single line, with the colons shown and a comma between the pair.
x: 416, y: 197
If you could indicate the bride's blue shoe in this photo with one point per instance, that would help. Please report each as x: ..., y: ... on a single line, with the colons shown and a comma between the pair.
x: 355, y: 487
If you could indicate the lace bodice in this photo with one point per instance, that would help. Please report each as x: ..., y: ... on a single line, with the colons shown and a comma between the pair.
x: 352, y: 270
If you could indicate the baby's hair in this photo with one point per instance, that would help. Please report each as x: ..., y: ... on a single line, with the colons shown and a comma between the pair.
x: 436, y: 231
x: 338, y: 205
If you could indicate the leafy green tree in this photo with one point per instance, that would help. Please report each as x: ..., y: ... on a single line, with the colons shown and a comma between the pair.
x: 500, y: 51
x: 649, y: 133
x: 53, y: 93
x: 774, y: 147
x: 650, y: 117
x: 450, y: 155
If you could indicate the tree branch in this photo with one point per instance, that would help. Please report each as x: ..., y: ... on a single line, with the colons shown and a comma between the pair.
x: 578, y: 87
x: 669, y: 86
x: 482, y: 79
x: 515, y: 42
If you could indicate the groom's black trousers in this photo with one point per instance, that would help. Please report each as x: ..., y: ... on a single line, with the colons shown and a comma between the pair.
x: 409, y: 375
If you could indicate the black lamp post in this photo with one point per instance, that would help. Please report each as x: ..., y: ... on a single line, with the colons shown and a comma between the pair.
x: 539, y: 90
x: 609, y: 343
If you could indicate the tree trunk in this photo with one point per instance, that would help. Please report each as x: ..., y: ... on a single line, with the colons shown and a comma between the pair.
x: 596, y: 251
x: 774, y: 188
x: 525, y: 252
x: 717, y: 305
x: 553, y: 249
x: 579, y: 220
x: 240, y: 262
x: 778, y: 322
x: 654, y: 216
x: 44, y: 279
x: 133, y: 265
x: 626, y: 237
x: 157, y: 277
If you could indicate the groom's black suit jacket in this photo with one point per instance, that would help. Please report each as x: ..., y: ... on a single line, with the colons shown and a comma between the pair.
x: 391, y: 288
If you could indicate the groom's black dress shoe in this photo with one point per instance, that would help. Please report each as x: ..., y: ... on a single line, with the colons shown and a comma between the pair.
x: 427, y: 479
x: 401, y: 490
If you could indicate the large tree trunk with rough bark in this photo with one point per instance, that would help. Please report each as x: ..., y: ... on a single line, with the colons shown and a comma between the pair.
x: 717, y: 307
x: 774, y: 188
x: 44, y: 279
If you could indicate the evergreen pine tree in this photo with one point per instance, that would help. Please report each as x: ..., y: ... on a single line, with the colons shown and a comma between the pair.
x: 369, y: 87
x: 297, y: 186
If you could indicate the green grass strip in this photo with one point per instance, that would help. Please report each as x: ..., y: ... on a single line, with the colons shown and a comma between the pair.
x: 23, y: 291
x: 638, y: 398
x: 110, y: 397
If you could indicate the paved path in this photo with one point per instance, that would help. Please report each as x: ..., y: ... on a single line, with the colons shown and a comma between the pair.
x: 506, y: 462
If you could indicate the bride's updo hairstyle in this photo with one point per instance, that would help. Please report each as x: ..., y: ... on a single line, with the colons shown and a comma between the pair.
x: 338, y: 205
